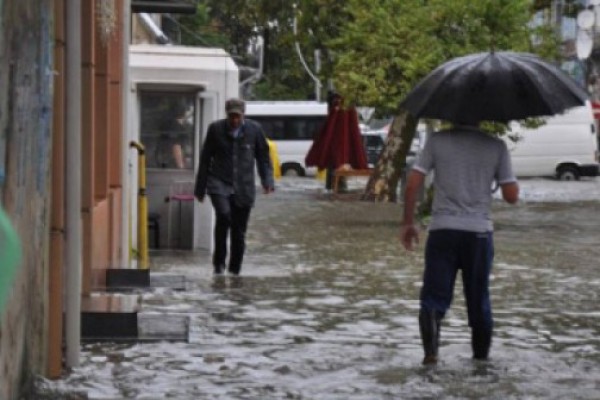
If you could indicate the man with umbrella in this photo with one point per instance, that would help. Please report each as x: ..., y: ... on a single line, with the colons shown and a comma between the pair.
x: 467, y: 162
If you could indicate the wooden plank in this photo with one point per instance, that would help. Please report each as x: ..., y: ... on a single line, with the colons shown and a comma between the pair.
x: 339, y: 173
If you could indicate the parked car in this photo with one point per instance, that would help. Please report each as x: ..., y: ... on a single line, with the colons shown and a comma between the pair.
x: 374, y: 142
x: 565, y: 147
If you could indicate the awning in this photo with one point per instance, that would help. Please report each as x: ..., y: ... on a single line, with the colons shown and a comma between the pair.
x: 164, y: 6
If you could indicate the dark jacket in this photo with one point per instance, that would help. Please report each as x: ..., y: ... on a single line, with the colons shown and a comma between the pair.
x: 232, y: 160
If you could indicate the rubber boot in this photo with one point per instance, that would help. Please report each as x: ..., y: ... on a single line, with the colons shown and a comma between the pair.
x: 481, y: 340
x: 429, y: 324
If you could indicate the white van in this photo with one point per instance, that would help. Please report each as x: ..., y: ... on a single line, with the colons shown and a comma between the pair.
x: 292, y: 125
x: 566, y: 147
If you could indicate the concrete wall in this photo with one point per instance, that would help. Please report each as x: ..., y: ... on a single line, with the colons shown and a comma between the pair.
x: 25, y: 134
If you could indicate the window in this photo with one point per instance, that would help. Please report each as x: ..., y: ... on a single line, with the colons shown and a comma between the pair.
x: 167, y: 129
x: 290, y: 127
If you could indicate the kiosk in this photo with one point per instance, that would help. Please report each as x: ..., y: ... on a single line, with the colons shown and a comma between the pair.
x: 176, y: 92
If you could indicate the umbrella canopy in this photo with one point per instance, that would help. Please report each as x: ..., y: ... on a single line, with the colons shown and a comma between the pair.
x: 10, y: 254
x: 339, y: 142
x: 496, y: 86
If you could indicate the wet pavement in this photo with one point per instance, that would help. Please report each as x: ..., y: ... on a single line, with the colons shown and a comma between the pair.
x: 327, y: 309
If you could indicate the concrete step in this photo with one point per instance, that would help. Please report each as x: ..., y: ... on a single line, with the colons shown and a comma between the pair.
x: 115, y: 314
x: 109, y: 316
x: 118, y: 317
x: 127, y: 280
x: 166, y: 280
x: 160, y: 326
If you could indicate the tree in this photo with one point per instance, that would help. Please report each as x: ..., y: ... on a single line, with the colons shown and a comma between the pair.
x: 387, y: 46
x: 199, y: 29
x: 244, y: 22
x: 236, y: 24
x: 374, y: 52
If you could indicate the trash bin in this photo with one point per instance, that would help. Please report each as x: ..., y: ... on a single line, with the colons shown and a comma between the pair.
x: 180, y: 215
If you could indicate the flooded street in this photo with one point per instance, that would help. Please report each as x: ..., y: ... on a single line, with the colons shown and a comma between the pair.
x: 327, y: 306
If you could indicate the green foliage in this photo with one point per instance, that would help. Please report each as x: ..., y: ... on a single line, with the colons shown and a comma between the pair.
x: 387, y: 47
x: 381, y: 53
x: 541, y: 4
x: 199, y: 30
x: 243, y: 21
x: 500, y: 128
x: 274, y: 89
x: 571, y: 8
x: 373, y: 52
x: 464, y: 26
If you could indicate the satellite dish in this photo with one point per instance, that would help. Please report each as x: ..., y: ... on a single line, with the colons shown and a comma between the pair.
x: 584, y: 45
x: 585, y: 19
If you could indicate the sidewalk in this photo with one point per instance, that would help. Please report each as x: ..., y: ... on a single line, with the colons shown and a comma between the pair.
x: 327, y: 304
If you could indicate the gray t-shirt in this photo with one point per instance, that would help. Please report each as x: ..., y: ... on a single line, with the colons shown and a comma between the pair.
x: 466, y: 162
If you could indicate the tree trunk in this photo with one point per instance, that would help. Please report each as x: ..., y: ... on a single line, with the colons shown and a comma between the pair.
x: 383, y: 183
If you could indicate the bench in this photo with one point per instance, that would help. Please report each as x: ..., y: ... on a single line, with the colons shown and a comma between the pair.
x: 340, y: 173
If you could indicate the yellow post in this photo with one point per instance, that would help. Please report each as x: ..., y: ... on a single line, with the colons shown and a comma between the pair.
x: 274, y: 159
x: 142, y: 206
x: 322, y: 175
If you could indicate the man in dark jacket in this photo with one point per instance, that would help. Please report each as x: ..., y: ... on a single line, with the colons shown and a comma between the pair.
x: 226, y: 173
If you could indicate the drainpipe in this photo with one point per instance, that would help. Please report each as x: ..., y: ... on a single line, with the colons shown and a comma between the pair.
x: 125, y: 193
x: 57, y: 215
x: 73, y: 224
x: 151, y: 26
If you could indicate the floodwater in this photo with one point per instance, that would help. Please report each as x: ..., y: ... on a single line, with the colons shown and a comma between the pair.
x: 327, y: 309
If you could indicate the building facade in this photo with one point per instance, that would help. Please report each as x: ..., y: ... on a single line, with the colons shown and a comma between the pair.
x: 40, y: 97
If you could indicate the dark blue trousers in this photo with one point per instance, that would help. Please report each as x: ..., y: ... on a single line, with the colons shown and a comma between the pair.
x: 448, y: 251
x: 232, y: 220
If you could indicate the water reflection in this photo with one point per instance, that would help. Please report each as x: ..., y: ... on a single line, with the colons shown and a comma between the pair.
x: 327, y: 309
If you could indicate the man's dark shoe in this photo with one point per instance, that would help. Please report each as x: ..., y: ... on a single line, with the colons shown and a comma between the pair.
x: 219, y: 269
x: 234, y: 271
x: 429, y: 326
x: 219, y: 282
x: 481, y: 341
x: 430, y: 360
x: 236, y: 282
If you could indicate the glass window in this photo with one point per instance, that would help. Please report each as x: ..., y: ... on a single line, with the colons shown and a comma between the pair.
x: 305, y: 128
x: 290, y: 127
x: 167, y: 129
x: 272, y: 126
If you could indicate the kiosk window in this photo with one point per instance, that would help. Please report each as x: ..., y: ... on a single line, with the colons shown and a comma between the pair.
x: 167, y: 129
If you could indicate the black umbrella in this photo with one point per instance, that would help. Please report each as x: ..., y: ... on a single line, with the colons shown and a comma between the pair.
x: 496, y: 86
